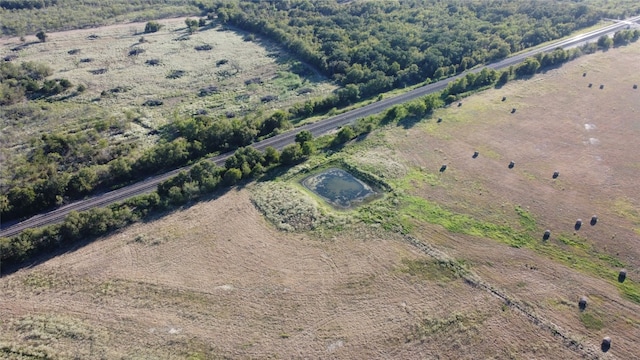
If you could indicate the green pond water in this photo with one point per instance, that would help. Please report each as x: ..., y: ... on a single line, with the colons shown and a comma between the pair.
x: 338, y: 187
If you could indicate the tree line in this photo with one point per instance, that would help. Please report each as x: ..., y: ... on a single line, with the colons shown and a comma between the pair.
x: 376, y: 46
x: 24, y: 17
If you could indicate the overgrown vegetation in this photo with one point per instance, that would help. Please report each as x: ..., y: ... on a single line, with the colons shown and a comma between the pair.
x: 191, y: 138
x: 18, y: 17
x: 28, y: 81
x: 196, y: 136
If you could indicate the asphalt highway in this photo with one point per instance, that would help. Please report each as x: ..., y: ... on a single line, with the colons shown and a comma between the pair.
x: 318, y: 128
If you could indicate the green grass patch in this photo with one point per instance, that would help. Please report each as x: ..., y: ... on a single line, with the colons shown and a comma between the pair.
x: 630, y: 290
x: 422, y: 210
x: 417, y: 177
x: 526, y: 219
x: 429, y: 269
x: 591, y: 321
x: 402, y: 212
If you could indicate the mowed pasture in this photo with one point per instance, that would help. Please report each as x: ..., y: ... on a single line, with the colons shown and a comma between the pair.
x: 590, y: 137
x: 213, y: 71
x: 217, y: 280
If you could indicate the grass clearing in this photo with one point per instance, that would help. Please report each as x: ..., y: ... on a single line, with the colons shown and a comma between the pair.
x: 184, y: 82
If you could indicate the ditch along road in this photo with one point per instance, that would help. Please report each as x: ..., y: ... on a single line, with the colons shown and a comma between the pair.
x: 317, y: 129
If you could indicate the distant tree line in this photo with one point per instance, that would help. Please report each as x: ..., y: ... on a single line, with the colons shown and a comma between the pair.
x: 23, y: 17
x: 26, y: 4
x: 379, y: 45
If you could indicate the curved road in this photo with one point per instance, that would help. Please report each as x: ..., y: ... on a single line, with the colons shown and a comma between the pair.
x: 279, y: 141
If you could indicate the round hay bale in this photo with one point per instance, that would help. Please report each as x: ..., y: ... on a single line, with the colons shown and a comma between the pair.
x: 556, y: 174
x: 513, y: 110
x: 504, y: 98
x: 606, y: 344
x: 601, y: 87
x: 443, y: 167
x: 578, y: 224
x: 511, y: 164
x: 582, y: 303
x: 594, y: 220
x: 590, y: 84
x: 547, y: 234
x: 622, y: 275
x: 475, y: 154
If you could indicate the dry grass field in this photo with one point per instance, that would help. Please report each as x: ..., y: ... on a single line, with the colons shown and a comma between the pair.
x: 217, y: 280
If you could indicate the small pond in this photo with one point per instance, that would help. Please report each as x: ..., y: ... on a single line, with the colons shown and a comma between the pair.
x: 338, y: 187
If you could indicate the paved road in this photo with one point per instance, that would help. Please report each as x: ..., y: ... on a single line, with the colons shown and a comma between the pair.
x: 317, y: 129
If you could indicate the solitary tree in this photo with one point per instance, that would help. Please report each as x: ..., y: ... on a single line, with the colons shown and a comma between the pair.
x: 41, y: 36
x: 192, y: 24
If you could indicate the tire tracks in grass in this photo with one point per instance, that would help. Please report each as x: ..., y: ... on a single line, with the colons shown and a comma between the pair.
x: 475, y: 281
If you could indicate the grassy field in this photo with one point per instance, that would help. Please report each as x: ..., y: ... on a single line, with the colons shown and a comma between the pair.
x: 447, y: 265
x: 236, y: 75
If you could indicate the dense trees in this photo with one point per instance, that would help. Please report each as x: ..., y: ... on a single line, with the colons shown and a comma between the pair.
x: 186, y: 139
x: 373, y: 46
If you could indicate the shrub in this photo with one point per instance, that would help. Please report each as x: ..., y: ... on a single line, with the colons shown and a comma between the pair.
x: 345, y: 134
x: 98, y: 71
x: 268, y: 98
x: 204, y: 47
x: 192, y: 24
x: 255, y: 80
x: 152, y: 102
x: 136, y: 51
x: 209, y: 90
x: 151, y: 27
x: 41, y: 36
x: 221, y: 62
x: 153, y: 62
x: 232, y: 176
x: 176, y: 74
